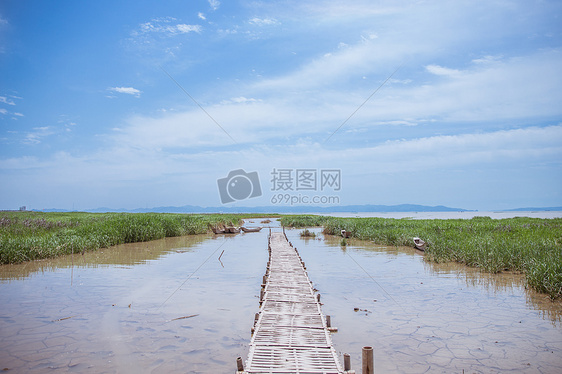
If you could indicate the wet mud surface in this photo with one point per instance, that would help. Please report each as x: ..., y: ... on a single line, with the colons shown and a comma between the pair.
x: 171, y: 306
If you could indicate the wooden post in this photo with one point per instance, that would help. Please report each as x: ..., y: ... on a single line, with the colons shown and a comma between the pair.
x: 239, y: 364
x: 368, y: 361
x: 318, y: 297
x: 328, y: 321
x: 346, y: 362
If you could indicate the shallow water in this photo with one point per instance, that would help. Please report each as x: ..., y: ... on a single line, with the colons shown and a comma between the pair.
x: 115, y: 312
x: 171, y: 306
x: 425, y: 317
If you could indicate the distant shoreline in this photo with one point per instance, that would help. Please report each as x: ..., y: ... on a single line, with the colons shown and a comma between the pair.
x: 447, y: 215
x: 421, y: 214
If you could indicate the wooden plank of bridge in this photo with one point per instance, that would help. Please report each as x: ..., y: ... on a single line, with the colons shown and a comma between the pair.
x: 291, y: 334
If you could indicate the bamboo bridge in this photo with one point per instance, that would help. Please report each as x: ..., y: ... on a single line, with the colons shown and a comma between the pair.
x: 290, y: 334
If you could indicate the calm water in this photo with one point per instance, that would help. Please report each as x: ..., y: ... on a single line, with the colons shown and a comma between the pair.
x: 171, y: 306
x: 450, y: 215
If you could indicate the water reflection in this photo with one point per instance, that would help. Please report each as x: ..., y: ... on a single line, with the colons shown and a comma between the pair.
x: 504, y: 282
x: 124, y: 254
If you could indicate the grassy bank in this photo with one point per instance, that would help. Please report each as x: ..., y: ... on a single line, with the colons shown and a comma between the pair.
x: 529, y: 245
x: 28, y: 236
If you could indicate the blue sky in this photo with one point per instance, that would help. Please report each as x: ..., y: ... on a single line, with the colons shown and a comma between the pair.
x: 95, y: 106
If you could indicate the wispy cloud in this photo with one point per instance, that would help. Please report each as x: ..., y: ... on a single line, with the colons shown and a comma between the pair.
x: 263, y: 21
x: 126, y: 90
x: 37, y: 135
x: 527, y: 145
x: 6, y: 100
x: 214, y: 4
x: 497, y: 90
x: 166, y: 26
x: 240, y: 100
x: 160, y: 39
x: 440, y: 70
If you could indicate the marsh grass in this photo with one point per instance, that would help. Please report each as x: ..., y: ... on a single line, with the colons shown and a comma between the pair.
x: 306, y: 233
x: 28, y: 236
x: 532, y: 246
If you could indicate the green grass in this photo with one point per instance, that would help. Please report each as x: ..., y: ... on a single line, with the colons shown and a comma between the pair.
x: 532, y: 246
x: 306, y: 233
x: 26, y: 236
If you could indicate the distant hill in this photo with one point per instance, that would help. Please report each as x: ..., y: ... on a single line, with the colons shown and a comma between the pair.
x: 287, y: 209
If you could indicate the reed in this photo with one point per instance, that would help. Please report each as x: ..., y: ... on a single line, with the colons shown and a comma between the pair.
x: 306, y: 233
x: 26, y: 236
x: 529, y: 245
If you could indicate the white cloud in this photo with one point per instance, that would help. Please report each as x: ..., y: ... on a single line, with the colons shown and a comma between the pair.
x: 160, y: 39
x: 126, y: 90
x: 36, y: 136
x: 341, y: 64
x: 19, y: 163
x: 166, y: 26
x: 183, y: 28
x: 240, y: 100
x: 201, y: 16
x: 263, y: 21
x: 508, y: 91
x: 439, y: 70
x: 5, y: 100
x: 487, y: 59
x: 512, y: 88
x: 3, y: 111
x: 518, y: 87
x: 18, y: 114
x: 515, y: 147
x: 214, y: 4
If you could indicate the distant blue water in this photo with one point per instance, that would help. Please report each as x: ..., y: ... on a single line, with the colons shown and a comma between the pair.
x: 448, y: 215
